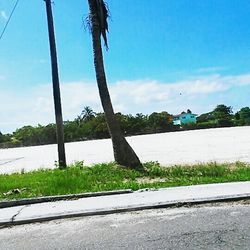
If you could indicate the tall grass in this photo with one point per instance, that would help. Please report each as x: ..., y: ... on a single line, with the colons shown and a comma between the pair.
x: 103, y: 177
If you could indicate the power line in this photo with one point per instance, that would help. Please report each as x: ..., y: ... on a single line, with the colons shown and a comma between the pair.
x: 6, y: 25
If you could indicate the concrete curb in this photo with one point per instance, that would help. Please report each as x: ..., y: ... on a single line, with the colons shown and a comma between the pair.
x: 14, y: 203
x: 177, y: 203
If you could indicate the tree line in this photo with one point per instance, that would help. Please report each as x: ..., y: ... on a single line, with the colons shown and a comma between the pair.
x: 90, y: 125
x: 222, y: 116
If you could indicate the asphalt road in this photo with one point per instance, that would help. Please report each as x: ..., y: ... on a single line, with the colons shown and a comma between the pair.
x: 217, y: 226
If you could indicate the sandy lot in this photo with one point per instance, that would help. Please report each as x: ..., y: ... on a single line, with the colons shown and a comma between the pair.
x: 220, y: 145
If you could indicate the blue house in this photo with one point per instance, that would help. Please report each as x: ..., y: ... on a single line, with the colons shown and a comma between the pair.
x: 184, y: 118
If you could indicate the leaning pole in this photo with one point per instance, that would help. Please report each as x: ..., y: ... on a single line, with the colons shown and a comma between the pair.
x: 56, y: 88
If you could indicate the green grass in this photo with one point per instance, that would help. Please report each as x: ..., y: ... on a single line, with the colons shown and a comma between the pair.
x: 103, y: 177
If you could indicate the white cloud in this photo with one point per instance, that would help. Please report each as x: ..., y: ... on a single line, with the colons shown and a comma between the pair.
x: 3, y: 14
x: 139, y: 96
x: 241, y: 80
x: 211, y: 69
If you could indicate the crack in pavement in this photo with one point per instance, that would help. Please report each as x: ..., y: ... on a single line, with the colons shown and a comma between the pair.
x: 18, y: 212
x: 6, y: 161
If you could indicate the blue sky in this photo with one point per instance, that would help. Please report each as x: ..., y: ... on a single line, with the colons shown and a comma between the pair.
x: 164, y: 55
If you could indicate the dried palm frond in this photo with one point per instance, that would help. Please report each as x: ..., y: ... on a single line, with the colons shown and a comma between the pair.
x: 102, y: 15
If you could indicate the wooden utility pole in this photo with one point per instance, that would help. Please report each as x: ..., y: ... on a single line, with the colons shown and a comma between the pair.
x: 56, y: 87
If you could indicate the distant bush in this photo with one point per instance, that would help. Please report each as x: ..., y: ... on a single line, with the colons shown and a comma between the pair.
x: 189, y: 126
x: 208, y: 124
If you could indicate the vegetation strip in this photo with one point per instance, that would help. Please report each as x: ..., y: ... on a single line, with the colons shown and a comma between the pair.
x: 90, y: 125
x: 79, y: 179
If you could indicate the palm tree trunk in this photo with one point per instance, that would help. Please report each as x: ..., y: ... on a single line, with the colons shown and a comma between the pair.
x: 123, y: 153
x: 56, y: 88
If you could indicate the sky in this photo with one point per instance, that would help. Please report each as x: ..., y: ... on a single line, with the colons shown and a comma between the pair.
x: 164, y: 55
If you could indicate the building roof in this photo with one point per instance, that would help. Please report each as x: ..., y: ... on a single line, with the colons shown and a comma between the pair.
x: 184, y: 113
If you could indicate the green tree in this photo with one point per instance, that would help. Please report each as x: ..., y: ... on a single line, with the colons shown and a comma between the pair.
x: 49, y: 134
x: 160, y: 122
x: 243, y: 116
x: 99, y: 128
x: 1, y: 137
x: 223, y: 115
x: 222, y: 110
x: 206, y: 117
x: 71, y: 130
x: 137, y: 124
x: 123, y: 153
x: 87, y: 114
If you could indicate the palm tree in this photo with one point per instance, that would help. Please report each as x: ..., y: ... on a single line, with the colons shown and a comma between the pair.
x: 123, y: 153
x: 87, y: 114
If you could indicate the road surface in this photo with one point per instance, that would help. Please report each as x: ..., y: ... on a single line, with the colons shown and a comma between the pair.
x: 216, y: 226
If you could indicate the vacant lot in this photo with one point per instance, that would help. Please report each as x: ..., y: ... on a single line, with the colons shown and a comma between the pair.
x: 188, y: 147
